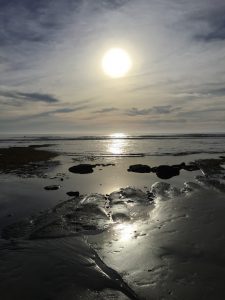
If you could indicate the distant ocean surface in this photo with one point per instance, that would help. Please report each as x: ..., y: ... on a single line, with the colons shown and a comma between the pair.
x: 124, y: 146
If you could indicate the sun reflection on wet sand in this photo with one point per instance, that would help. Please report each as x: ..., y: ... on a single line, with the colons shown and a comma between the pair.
x: 125, y: 231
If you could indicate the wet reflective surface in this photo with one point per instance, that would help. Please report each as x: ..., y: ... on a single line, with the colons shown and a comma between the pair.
x: 154, y: 249
x: 126, y: 236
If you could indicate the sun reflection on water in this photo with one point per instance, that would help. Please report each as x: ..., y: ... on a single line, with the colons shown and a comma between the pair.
x: 125, y: 231
x: 117, y: 145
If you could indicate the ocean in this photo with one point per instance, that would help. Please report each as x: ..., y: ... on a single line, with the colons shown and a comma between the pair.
x: 127, y: 145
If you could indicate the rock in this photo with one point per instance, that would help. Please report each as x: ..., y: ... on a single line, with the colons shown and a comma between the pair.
x: 82, y: 169
x: 139, y: 168
x: 150, y: 196
x: 166, y: 172
x: 191, y: 167
x: 73, y: 194
x: 87, y: 168
x: 191, y: 186
x: 160, y: 188
x: 122, y: 217
x: 52, y: 187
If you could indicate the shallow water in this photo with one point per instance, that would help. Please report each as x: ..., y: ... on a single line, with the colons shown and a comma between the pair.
x: 161, y: 242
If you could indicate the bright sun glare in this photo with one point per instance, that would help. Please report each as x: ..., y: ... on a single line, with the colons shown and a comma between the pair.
x: 116, y: 63
x: 118, y: 135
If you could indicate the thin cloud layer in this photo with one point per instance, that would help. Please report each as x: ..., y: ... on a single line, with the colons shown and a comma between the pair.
x: 164, y: 109
x: 106, y: 110
x: 28, y: 97
x: 50, y: 59
x: 212, y: 24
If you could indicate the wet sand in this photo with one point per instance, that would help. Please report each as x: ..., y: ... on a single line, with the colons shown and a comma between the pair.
x: 162, y: 242
x: 25, y: 160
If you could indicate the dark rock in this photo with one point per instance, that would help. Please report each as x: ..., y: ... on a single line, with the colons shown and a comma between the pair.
x: 73, y: 194
x: 82, y: 169
x: 191, y: 167
x: 166, y: 172
x: 139, y: 168
x: 70, y: 216
x: 119, y: 216
x: 52, y: 187
x: 150, y: 195
x: 89, y: 227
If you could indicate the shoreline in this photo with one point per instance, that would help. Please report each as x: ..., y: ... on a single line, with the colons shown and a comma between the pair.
x: 129, y: 243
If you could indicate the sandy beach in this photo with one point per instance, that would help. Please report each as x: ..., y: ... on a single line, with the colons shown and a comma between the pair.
x: 110, y: 227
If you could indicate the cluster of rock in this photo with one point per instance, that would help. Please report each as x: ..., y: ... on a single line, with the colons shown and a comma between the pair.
x: 163, y: 171
x: 88, y: 214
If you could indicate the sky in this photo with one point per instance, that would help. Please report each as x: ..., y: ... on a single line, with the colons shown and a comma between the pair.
x: 51, y: 80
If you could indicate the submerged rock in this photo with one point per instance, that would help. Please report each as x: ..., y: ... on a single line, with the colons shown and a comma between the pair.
x: 139, y: 168
x: 134, y: 194
x: 211, y: 182
x: 160, y: 188
x: 212, y: 167
x: 191, y: 186
x: 89, y: 214
x: 121, y: 217
x: 52, y: 187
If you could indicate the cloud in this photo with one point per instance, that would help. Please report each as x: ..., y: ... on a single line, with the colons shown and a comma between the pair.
x: 32, y: 21
x: 38, y: 21
x: 219, y: 92
x: 113, y: 4
x: 28, y: 97
x: 164, y: 109
x: 60, y: 111
x: 211, y: 23
x: 206, y: 91
x: 106, y: 110
x: 50, y: 113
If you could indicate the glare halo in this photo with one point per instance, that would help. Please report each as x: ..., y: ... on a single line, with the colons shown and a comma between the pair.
x: 116, y: 63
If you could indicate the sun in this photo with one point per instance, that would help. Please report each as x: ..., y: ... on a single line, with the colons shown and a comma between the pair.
x: 116, y: 63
